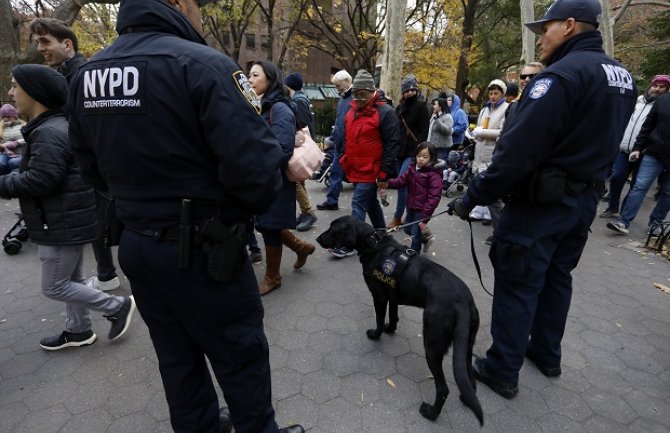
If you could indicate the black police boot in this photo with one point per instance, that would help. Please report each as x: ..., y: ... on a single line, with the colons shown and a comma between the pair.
x: 500, y: 387
x: 225, y: 424
x: 292, y: 429
x: 544, y: 368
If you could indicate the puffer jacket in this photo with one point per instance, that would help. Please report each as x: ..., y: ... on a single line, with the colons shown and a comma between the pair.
x: 57, y: 205
x: 642, y: 107
x: 371, y: 136
x: 486, y: 135
x: 440, y: 131
x: 12, y: 139
x: 425, y: 188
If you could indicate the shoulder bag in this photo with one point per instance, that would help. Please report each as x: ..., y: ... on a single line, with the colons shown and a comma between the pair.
x: 307, y: 157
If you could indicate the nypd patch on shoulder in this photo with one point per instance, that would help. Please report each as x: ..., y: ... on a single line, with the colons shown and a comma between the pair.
x: 247, y: 91
x: 540, y: 88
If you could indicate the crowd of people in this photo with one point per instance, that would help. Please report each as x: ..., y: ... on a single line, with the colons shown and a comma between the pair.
x: 215, y: 173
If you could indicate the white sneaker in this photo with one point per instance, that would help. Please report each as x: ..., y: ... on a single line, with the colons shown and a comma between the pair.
x: 618, y: 227
x: 104, y: 286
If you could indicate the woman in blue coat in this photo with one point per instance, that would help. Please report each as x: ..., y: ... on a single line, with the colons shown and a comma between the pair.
x: 274, y: 225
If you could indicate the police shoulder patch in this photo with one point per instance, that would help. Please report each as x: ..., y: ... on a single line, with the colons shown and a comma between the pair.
x: 540, y: 88
x: 247, y: 91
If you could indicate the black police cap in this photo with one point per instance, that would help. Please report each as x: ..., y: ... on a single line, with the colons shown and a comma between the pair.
x: 585, y: 11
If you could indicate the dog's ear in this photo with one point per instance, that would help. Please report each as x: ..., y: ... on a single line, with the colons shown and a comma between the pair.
x: 344, y: 231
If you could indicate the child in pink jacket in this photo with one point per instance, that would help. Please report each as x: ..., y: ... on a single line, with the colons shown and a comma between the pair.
x: 424, y: 184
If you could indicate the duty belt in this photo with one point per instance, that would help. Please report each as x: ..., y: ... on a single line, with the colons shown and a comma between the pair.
x: 167, y: 234
x: 575, y: 188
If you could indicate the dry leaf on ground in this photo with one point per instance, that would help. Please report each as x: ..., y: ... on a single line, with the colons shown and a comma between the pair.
x: 663, y: 288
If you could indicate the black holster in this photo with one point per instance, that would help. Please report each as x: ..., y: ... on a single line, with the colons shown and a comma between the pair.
x: 545, y: 186
x: 224, y: 246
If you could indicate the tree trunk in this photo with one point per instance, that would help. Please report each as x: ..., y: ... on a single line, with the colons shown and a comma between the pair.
x: 391, y: 73
x: 9, y: 46
x: 10, y: 54
x: 466, y: 44
x: 527, y: 37
x: 607, y: 28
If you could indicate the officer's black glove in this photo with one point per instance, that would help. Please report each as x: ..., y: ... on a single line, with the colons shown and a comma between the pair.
x: 456, y: 206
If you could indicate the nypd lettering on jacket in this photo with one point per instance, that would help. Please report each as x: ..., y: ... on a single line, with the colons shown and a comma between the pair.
x: 618, y: 77
x: 114, y: 89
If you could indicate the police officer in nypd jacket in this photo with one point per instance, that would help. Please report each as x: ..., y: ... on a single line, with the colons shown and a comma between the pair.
x: 173, y: 128
x: 551, y: 167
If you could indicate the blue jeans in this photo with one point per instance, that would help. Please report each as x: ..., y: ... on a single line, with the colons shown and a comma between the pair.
x: 650, y: 168
x: 364, y: 200
x: 414, y: 230
x: 7, y: 164
x: 402, y: 192
x: 620, y: 172
x: 336, y: 176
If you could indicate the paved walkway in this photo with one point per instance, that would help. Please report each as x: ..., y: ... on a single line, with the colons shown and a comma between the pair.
x: 330, y: 378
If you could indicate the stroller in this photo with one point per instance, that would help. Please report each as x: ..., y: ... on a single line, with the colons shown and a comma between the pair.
x: 323, y: 174
x: 17, y: 233
x: 461, y: 162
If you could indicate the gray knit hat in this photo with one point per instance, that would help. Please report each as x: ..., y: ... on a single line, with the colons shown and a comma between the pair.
x: 42, y: 83
x: 409, y: 83
x: 363, y: 81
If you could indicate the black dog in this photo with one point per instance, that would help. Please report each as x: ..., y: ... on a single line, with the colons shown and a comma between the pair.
x: 396, y: 277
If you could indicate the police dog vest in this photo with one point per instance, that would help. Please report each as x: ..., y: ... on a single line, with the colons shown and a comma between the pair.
x: 391, y: 264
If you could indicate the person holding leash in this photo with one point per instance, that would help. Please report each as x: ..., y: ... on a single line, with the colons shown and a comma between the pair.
x: 550, y: 167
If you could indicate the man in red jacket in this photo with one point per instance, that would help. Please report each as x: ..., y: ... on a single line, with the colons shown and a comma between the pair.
x: 371, y: 144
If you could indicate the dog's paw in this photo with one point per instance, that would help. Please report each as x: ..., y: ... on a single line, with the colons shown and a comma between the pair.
x: 373, y: 334
x: 428, y: 411
x: 389, y: 329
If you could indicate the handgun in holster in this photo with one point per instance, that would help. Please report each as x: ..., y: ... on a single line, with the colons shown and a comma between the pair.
x: 224, y: 248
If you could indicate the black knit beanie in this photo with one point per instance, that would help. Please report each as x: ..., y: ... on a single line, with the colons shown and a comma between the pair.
x: 42, y: 83
x: 294, y: 81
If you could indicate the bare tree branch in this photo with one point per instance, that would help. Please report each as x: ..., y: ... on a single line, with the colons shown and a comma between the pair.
x: 637, y: 47
x: 644, y: 3
x: 622, y: 9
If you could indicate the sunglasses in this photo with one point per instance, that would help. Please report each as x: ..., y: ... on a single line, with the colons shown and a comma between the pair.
x: 524, y: 76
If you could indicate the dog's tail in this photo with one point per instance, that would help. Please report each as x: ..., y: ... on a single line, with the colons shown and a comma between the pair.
x: 464, y: 338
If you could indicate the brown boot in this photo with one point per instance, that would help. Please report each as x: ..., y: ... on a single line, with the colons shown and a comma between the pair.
x: 427, y: 238
x: 302, y: 249
x: 272, y: 278
x: 395, y: 222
